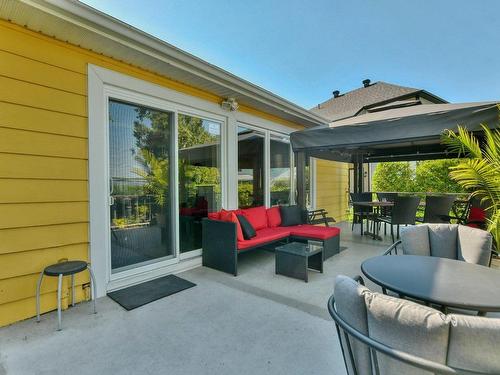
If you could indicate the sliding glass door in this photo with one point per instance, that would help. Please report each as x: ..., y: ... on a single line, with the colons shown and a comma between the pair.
x: 199, y: 164
x: 140, y: 145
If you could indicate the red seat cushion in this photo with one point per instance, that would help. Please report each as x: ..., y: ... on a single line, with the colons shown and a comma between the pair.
x: 263, y: 236
x: 256, y: 216
x: 273, y: 217
x: 231, y: 216
x: 314, y: 232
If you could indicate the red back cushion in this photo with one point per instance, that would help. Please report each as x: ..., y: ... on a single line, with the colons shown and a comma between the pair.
x: 273, y: 217
x: 231, y: 216
x: 256, y: 216
x: 476, y: 214
x: 214, y: 215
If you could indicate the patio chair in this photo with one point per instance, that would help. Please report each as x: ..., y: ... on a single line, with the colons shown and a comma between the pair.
x: 437, y: 209
x: 319, y: 216
x: 361, y: 212
x: 404, y: 212
x: 380, y: 334
x: 386, y: 211
x: 451, y: 241
x: 474, y: 215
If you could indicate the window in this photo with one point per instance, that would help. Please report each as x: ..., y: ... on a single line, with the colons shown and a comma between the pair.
x: 280, y: 174
x: 199, y: 163
x: 250, y: 167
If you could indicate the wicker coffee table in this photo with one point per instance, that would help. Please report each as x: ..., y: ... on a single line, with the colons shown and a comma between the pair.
x: 295, y: 258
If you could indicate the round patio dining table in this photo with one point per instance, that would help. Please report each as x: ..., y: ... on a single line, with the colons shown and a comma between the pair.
x: 440, y: 281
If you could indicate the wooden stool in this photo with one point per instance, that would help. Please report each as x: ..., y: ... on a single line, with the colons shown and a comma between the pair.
x: 64, y: 269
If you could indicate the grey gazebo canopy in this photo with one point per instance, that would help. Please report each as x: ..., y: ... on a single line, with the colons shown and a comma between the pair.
x: 409, y: 133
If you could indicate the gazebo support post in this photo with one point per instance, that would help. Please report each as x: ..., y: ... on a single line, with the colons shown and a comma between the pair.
x: 300, y: 162
x: 358, y: 175
x: 358, y: 180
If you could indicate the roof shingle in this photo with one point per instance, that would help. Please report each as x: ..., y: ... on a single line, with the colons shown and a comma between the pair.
x: 350, y: 103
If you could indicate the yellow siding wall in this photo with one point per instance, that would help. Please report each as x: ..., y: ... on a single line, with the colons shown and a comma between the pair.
x: 332, y: 179
x: 43, y: 161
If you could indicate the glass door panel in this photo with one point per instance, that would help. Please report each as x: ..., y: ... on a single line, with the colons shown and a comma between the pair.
x: 281, y: 179
x: 140, y: 175
x: 199, y: 177
x: 250, y: 167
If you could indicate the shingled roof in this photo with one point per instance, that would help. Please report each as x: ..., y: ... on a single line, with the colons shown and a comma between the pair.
x: 375, y: 95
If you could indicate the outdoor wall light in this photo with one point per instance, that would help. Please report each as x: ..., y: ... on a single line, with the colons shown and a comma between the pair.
x: 229, y: 104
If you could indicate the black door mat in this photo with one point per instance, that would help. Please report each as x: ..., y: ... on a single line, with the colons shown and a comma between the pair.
x: 142, y: 294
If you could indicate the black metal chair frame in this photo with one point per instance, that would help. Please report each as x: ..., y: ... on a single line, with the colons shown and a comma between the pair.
x: 464, y: 218
x: 363, y: 211
x: 386, y: 211
x: 375, y: 347
x: 320, y: 216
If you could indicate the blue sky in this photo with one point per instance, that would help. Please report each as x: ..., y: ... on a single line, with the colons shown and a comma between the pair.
x: 303, y: 50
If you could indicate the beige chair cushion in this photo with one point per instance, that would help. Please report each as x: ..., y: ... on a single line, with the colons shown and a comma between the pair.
x: 415, y: 240
x: 409, y: 327
x: 350, y: 305
x: 474, y: 344
x: 443, y: 240
x: 474, y: 245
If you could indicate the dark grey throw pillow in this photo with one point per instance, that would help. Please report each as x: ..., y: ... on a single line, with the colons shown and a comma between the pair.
x: 247, y: 228
x: 291, y: 215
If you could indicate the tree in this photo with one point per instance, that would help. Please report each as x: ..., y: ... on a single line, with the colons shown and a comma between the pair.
x: 479, y: 171
x: 432, y: 176
x: 152, y: 131
x: 152, y: 134
x: 192, y: 132
x: 393, y: 176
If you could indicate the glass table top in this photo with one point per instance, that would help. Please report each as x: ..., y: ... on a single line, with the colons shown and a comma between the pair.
x: 301, y: 248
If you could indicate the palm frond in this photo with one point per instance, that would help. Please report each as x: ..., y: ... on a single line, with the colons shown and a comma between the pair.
x: 478, y: 176
x: 479, y: 172
x: 462, y: 142
x: 492, y: 145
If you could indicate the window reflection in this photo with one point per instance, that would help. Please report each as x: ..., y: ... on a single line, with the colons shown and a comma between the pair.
x: 199, y: 176
x: 139, y: 139
x: 280, y: 170
x: 250, y: 167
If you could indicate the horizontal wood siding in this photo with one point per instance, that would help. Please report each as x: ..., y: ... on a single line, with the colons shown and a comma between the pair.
x: 43, y: 168
x: 332, y: 179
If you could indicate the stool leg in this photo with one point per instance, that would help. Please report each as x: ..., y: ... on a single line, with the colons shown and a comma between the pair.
x: 73, y: 290
x: 38, y: 286
x: 59, y: 287
x: 92, y: 287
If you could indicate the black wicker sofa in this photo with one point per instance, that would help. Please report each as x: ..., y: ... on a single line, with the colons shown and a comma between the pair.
x: 222, y: 244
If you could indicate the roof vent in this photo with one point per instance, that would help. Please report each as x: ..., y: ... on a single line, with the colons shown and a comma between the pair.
x: 366, y: 82
x: 336, y: 93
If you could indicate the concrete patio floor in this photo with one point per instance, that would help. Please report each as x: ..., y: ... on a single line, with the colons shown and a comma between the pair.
x: 256, y: 323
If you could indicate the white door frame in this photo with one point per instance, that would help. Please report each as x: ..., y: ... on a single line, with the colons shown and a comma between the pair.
x: 121, y: 94
x: 104, y: 84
